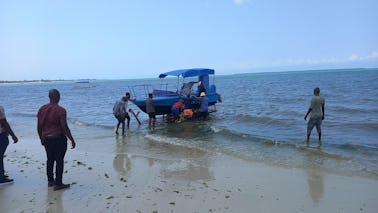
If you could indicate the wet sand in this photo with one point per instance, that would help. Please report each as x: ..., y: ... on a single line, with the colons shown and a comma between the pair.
x: 117, y: 174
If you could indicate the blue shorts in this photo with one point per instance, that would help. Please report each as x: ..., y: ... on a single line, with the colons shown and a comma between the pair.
x: 175, y: 112
x: 314, y: 122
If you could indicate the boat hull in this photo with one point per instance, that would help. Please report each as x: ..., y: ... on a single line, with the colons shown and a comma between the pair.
x: 163, y: 104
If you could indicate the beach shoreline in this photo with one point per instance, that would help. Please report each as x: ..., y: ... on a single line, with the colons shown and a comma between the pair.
x: 116, y: 174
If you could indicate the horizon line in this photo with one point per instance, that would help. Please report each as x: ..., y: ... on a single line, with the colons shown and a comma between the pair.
x: 231, y: 74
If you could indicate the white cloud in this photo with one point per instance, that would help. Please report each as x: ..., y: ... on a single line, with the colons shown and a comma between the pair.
x: 354, y: 57
x: 255, y: 64
x: 323, y: 61
x: 372, y: 56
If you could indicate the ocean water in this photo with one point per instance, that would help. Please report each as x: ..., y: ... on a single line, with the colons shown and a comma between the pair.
x: 260, y: 118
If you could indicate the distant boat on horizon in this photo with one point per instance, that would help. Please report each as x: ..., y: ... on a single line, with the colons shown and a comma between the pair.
x: 82, y: 81
x: 83, y: 84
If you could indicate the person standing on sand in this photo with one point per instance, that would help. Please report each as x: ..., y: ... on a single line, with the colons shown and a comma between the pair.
x: 5, y: 131
x: 53, y: 132
x: 317, y: 114
x: 150, y: 109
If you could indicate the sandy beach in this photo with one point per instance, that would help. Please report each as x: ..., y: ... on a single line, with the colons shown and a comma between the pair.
x: 114, y: 174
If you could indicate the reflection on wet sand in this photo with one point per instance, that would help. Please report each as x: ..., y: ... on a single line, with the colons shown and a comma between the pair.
x: 54, y: 201
x: 175, y: 161
x: 188, y: 129
x: 315, y: 179
x: 183, y: 163
x: 187, y: 172
x: 121, y: 161
x: 315, y: 184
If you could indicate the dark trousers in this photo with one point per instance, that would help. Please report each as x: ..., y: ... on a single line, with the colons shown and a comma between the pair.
x: 4, y: 141
x: 203, y: 115
x: 56, y: 147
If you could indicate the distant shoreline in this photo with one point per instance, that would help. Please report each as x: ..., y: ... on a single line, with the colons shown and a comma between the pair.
x: 42, y: 81
x: 230, y: 74
x: 29, y: 81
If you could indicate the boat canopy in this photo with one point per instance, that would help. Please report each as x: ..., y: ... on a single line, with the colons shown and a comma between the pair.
x: 188, y: 72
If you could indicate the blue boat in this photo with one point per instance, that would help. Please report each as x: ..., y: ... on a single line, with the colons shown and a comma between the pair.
x: 164, y: 96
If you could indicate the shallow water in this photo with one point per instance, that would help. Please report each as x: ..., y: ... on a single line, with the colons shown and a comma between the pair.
x: 260, y: 119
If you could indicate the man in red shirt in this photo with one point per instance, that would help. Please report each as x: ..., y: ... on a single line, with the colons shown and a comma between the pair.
x: 177, y: 108
x: 53, y: 131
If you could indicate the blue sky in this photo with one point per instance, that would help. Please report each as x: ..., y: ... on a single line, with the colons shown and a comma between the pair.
x: 123, y: 39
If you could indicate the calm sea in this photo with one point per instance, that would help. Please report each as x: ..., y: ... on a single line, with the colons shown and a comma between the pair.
x: 260, y: 118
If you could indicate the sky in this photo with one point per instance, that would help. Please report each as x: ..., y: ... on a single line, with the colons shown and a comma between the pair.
x: 124, y: 39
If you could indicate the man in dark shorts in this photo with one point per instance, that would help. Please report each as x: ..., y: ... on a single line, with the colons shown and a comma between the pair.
x: 53, y: 131
x: 5, y: 131
x: 150, y: 109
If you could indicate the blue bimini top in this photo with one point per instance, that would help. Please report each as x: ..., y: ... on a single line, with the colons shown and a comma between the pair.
x: 188, y: 72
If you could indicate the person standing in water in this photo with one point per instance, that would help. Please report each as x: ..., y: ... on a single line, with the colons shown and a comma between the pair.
x: 150, y: 109
x: 128, y: 96
x: 120, y: 112
x: 204, y: 106
x: 317, y: 114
